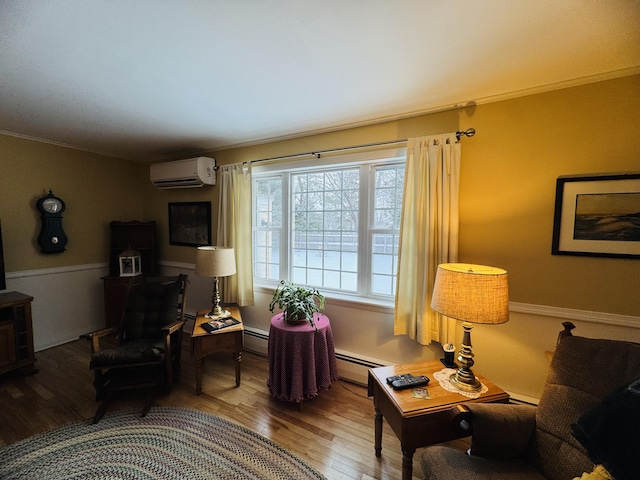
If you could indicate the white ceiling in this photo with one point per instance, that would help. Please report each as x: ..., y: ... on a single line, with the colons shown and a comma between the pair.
x: 155, y: 79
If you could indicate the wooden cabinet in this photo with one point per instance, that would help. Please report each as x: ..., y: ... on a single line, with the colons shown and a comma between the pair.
x: 140, y: 236
x: 16, y: 333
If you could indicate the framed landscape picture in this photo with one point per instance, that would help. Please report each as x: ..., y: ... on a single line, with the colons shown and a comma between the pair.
x: 597, y: 216
x: 190, y: 223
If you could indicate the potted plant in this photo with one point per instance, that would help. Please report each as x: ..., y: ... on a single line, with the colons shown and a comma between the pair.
x: 297, y: 303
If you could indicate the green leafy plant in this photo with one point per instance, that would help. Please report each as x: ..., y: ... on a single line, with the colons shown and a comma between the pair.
x: 297, y: 303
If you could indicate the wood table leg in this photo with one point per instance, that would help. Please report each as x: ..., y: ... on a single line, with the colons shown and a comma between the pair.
x: 378, y: 433
x: 199, y: 367
x: 407, y: 464
x: 238, y: 358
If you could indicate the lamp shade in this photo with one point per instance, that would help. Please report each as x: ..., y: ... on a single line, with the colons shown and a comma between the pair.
x: 215, y: 261
x: 471, y: 293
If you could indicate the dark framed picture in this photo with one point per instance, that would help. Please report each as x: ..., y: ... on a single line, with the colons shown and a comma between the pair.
x: 190, y: 223
x: 597, y: 216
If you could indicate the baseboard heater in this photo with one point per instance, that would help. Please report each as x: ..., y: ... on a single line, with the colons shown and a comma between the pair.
x: 358, y: 361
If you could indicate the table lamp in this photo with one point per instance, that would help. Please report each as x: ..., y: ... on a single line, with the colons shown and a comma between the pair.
x: 215, y: 262
x: 473, y: 294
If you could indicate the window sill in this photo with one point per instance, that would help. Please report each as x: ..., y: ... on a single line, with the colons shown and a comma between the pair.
x: 332, y: 298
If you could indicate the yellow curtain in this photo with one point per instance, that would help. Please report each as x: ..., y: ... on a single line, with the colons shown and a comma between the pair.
x: 428, y: 235
x: 234, y: 230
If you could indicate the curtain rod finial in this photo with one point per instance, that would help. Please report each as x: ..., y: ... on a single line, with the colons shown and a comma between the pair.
x: 469, y: 132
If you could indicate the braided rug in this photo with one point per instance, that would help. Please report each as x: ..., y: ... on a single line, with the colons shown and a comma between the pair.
x: 169, y: 443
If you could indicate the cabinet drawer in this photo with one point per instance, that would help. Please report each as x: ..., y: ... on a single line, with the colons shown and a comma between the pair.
x: 220, y: 342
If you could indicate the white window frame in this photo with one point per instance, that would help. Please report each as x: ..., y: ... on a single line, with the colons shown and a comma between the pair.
x: 367, y: 161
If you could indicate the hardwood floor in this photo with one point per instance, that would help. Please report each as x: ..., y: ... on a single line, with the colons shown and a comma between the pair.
x: 333, y: 433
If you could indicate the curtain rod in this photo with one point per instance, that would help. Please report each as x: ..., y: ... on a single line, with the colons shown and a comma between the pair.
x: 469, y: 132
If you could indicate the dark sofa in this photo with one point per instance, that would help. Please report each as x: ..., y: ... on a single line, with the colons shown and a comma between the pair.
x: 589, y: 396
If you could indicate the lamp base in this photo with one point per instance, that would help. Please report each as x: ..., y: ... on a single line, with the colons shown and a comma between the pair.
x: 462, y: 382
x: 464, y: 379
x: 217, y: 316
x: 216, y: 311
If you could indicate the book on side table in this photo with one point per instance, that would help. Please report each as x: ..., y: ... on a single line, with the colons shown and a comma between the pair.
x: 215, y: 325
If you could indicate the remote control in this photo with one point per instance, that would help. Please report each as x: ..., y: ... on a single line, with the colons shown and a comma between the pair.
x: 410, y: 382
x: 390, y: 380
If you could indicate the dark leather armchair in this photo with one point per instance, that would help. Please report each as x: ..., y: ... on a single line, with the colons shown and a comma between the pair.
x: 148, y: 344
x: 526, y: 442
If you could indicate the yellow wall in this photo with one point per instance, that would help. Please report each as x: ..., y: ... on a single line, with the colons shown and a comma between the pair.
x: 508, y: 187
x: 509, y: 170
x: 95, y: 189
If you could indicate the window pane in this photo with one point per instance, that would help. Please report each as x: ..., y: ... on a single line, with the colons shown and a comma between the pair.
x: 299, y: 258
x: 389, y: 185
x: 349, y: 261
x: 349, y: 281
x: 314, y: 259
x: 268, y: 202
x: 332, y: 278
x: 383, y: 285
x: 384, y: 263
x: 299, y: 275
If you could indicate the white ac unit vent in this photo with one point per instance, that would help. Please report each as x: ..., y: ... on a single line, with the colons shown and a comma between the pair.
x: 189, y: 173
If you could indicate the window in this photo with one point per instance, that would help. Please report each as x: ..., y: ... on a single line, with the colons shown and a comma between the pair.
x: 331, y: 224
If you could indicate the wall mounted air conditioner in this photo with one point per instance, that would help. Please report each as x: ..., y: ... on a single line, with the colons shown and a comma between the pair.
x: 189, y: 173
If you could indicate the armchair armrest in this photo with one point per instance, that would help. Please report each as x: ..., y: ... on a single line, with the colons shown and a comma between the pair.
x: 500, y: 430
x: 173, y: 327
x: 170, y: 330
x: 94, y: 337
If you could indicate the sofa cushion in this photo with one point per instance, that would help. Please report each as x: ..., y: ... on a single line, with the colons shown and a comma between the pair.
x: 611, y: 432
x: 583, y: 372
x: 444, y: 463
x: 135, y: 352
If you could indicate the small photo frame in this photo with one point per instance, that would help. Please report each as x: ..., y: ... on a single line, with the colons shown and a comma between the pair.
x: 598, y: 216
x: 190, y: 223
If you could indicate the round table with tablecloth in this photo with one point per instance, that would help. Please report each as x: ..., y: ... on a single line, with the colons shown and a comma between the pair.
x: 302, y: 360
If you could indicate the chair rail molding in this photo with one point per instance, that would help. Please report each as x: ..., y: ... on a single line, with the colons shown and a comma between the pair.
x: 56, y: 270
x: 628, y: 321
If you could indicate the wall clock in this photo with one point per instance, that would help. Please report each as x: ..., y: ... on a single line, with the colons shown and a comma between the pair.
x: 52, y: 238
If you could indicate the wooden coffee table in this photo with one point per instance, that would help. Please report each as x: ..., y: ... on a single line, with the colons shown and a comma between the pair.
x: 419, y: 422
x: 230, y: 339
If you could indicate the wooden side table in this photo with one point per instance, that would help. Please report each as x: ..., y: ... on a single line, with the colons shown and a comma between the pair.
x: 419, y: 422
x: 230, y: 339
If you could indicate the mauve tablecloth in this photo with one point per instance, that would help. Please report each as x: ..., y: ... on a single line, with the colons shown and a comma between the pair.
x: 301, y: 360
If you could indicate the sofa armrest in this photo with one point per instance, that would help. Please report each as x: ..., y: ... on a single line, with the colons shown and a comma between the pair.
x: 500, y: 430
x: 460, y: 420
